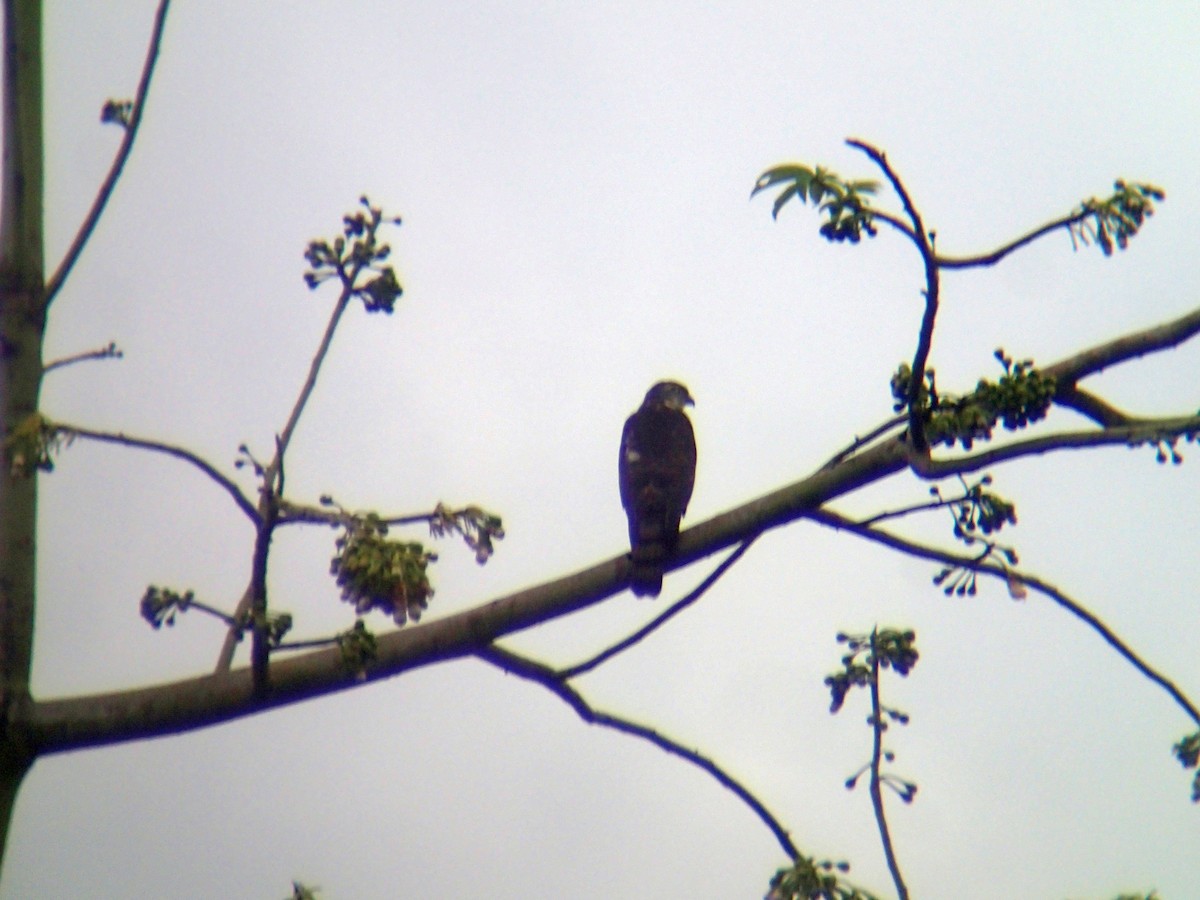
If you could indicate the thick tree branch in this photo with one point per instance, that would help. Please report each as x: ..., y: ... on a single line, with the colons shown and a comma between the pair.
x: 912, y: 548
x: 554, y: 682
x: 125, y: 440
x: 110, y: 182
x: 72, y: 723
x: 66, y: 724
x: 1131, y: 346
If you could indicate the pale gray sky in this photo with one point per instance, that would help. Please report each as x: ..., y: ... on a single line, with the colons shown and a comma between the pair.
x: 574, y: 182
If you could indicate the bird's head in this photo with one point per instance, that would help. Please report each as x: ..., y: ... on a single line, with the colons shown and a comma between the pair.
x: 670, y: 394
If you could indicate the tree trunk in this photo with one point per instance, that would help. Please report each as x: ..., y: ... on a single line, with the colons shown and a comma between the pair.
x: 22, y: 325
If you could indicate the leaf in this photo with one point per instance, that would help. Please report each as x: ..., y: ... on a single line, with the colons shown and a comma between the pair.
x: 1016, y: 587
x: 783, y: 198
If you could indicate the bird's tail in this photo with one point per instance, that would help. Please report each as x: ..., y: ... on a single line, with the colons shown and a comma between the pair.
x: 649, y: 554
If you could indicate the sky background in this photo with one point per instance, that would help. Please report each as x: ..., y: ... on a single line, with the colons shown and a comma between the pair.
x: 574, y: 182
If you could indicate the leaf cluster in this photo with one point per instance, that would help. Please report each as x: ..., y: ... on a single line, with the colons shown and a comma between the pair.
x: 846, y: 204
x: 1111, y: 222
x: 478, y: 528
x: 1187, y: 751
x: 355, y: 251
x: 1021, y: 396
x: 30, y: 447
x: 893, y: 649
x: 117, y: 112
x: 807, y: 879
x: 375, y: 572
x: 358, y: 647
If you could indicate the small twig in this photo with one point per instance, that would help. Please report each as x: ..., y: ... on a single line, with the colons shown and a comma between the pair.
x: 675, y: 608
x: 837, y: 521
x: 860, y: 442
x: 110, y: 182
x: 170, y: 450
x: 112, y: 351
x: 909, y: 510
x: 234, y: 635
x: 534, y: 671
x: 876, y: 786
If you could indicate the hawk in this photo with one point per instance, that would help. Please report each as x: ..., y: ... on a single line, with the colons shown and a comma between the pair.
x: 657, y: 468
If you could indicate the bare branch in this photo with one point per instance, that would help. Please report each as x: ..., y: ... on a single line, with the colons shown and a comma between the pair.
x: 110, y: 182
x: 654, y: 624
x: 310, y: 382
x: 112, y: 351
x: 1131, y: 346
x: 990, y: 259
x: 204, y: 466
x: 1141, y: 431
x: 842, y: 523
x: 554, y: 682
x: 302, y: 514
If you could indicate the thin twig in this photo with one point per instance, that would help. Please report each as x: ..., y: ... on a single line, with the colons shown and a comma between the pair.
x: 109, y: 352
x: 204, y: 466
x: 654, y: 624
x: 990, y: 259
x: 110, y: 182
x: 914, y: 508
x: 860, y: 442
x: 876, y: 786
x: 840, y: 522
x: 553, y: 681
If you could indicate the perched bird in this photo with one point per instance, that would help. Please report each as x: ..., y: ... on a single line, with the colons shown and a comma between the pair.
x: 657, y: 468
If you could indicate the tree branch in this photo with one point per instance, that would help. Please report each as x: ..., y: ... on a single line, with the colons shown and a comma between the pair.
x: 554, y: 682
x: 990, y: 259
x: 72, y: 723
x: 109, y: 352
x: 924, y: 246
x: 204, y: 466
x: 842, y: 523
x: 131, y: 129
x: 876, y: 786
x: 654, y: 624
x: 1131, y: 346
x: 1142, y: 430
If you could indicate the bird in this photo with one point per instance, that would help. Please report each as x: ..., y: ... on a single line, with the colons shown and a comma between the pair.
x: 657, y: 469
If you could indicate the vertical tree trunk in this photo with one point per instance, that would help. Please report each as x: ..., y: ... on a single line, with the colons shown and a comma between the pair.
x: 22, y: 324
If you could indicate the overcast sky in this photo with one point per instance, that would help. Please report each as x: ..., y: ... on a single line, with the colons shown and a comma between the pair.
x: 574, y: 181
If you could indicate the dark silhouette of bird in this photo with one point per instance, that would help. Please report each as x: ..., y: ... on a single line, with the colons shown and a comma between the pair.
x: 657, y: 469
